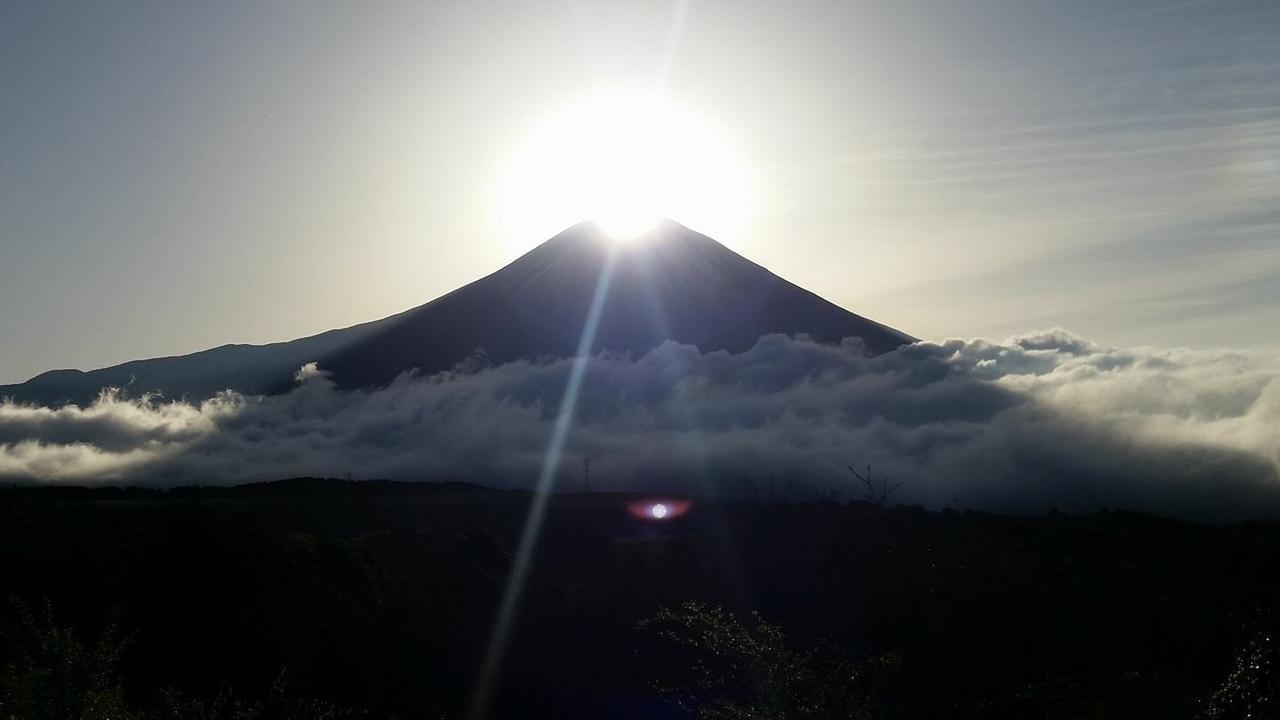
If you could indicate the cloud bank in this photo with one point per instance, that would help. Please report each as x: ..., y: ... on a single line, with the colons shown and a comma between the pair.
x: 1038, y: 421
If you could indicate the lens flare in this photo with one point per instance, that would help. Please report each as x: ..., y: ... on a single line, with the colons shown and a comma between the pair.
x: 658, y: 510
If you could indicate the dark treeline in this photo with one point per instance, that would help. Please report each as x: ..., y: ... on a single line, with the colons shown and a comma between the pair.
x: 381, y: 596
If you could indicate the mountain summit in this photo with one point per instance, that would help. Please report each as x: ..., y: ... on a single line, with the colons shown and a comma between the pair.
x: 671, y: 284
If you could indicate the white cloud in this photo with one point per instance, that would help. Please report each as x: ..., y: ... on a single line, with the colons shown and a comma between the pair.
x: 1037, y: 421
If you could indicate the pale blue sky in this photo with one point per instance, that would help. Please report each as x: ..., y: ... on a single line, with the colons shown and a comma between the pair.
x: 174, y: 176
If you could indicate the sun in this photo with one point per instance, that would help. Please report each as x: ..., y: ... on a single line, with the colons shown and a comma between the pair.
x: 625, y: 162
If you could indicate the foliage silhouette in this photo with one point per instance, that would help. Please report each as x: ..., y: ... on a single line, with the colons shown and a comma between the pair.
x: 744, y: 669
x: 1252, y: 686
x: 381, y: 596
x: 52, y: 674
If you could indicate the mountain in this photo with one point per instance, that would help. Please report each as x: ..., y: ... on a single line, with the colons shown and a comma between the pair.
x: 672, y: 284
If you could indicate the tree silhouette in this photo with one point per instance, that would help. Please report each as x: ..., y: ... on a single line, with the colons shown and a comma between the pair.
x: 876, y: 493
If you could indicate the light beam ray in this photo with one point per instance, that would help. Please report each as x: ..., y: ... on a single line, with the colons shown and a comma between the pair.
x: 674, y: 34
x: 509, y: 607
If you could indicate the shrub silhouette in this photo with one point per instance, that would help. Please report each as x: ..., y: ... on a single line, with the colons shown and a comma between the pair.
x: 278, y: 705
x: 1252, y: 686
x: 746, y: 670
x: 50, y: 674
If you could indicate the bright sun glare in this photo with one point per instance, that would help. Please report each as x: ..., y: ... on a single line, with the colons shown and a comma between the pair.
x: 626, y: 163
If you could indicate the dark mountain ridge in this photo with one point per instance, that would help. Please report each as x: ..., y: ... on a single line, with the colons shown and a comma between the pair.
x: 672, y: 284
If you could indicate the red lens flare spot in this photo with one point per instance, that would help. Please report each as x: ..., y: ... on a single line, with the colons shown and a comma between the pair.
x: 658, y: 509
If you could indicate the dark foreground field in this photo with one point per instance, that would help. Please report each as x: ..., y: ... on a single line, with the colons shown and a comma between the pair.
x: 381, y: 598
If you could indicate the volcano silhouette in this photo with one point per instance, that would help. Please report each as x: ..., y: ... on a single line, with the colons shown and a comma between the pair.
x: 671, y: 284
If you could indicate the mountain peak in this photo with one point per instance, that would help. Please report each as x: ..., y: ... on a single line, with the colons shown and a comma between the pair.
x: 591, y: 231
x: 672, y: 283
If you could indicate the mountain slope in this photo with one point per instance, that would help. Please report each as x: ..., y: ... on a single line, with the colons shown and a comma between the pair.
x: 674, y: 284
x: 251, y: 369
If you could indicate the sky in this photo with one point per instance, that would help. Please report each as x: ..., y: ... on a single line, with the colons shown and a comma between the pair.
x: 175, y: 176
